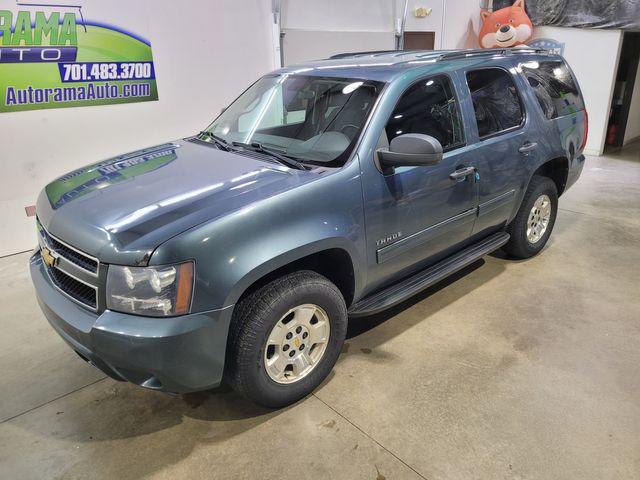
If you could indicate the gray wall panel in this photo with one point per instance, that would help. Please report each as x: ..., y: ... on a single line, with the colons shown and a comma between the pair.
x: 303, y: 45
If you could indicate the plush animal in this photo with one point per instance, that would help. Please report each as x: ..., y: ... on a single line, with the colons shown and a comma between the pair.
x: 507, y: 27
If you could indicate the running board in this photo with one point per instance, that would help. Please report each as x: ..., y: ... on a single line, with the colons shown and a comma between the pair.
x: 408, y: 287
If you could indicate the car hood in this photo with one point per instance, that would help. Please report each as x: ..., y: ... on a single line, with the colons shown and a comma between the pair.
x: 122, y: 209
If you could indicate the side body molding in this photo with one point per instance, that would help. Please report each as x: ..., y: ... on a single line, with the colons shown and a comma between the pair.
x: 419, y: 238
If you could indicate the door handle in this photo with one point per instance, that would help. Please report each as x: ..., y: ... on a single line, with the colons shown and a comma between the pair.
x: 462, y: 173
x: 527, y: 147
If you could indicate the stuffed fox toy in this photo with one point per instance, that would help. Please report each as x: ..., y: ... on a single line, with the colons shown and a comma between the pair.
x: 507, y: 27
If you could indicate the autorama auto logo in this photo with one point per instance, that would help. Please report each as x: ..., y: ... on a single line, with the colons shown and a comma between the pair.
x: 51, y: 56
x: 36, y: 37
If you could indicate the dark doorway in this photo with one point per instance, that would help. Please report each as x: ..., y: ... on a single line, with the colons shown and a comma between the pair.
x: 419, y: 40
x: 625, y: 80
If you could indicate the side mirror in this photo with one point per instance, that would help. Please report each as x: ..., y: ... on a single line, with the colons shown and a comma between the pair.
x: 410, y: 150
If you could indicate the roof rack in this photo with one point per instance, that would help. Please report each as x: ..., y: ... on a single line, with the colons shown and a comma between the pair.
x: 355, y: 54
x: 448, y: 55
x: 480, y: 52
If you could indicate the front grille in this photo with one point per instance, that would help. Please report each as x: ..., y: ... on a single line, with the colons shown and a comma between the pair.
x: 72, y: 272
x: 70, y: 254
x: 72, y: 287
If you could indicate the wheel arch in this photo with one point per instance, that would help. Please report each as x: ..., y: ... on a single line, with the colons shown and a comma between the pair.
x: 335, y: 262
x: 557, y: 169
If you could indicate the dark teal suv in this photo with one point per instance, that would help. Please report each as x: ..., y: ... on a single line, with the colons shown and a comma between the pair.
x: 326, y: 190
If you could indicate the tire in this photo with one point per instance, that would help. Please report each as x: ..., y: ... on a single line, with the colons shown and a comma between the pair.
x: 521, y: 245
x: 289, y: 299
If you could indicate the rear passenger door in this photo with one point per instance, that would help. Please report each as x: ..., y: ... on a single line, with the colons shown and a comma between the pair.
x: 505, y: 143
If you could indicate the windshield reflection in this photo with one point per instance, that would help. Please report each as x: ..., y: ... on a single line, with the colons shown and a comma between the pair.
x: 308, y: 118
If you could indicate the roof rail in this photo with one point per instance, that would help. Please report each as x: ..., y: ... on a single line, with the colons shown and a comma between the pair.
x: 479, y: 52
x: 355, y: 54
x: 449, y: 55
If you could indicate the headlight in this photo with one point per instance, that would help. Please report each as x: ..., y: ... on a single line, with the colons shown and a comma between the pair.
x: 154, y: 291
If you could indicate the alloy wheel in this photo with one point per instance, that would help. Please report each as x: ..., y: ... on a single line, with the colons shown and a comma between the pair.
x: 539, y: 218
x: 296, y: 343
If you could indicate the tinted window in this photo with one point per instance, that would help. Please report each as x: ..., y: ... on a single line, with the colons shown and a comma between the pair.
x: 554, y: 87
x: 495, y: 100
x: 428, y: 107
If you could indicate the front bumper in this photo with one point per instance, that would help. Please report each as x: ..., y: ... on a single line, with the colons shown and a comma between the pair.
x: 177, y: 354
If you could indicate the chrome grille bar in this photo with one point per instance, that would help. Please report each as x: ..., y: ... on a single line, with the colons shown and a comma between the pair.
x: 71, y: 271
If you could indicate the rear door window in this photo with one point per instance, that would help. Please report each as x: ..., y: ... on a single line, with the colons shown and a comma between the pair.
x: 495, y: 100
x: 554, y: 87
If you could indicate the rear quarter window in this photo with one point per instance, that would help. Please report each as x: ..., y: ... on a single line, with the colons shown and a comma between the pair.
x: 555, y: 88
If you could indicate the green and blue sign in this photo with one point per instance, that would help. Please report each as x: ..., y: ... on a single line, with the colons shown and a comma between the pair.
x: 55, y: 58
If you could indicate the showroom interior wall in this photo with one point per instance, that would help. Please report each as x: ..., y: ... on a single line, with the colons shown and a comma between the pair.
x: 460, y: 24
x: 313, y: 30
x: 205, y: 54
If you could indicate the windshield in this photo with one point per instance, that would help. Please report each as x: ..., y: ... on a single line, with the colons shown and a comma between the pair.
x: 311, y: 119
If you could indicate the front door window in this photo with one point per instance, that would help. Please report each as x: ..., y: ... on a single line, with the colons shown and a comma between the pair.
x: 429, y: 107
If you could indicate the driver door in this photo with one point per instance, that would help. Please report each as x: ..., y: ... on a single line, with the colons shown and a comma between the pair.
x: 417, y: 215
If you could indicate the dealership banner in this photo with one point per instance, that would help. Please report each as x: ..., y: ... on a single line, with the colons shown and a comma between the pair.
x: 56, y: 56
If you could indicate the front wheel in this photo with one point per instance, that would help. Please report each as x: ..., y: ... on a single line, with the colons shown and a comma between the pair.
x: 285, y: 338
x: 532, y: 226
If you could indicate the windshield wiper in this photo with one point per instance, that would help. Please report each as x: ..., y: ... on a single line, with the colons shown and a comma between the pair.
x: 257, y: 147
x: 220, y: 142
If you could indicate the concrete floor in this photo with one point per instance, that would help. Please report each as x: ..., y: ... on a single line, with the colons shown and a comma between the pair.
x: 519, y: 370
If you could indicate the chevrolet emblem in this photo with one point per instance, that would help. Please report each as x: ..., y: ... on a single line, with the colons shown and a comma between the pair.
x: 297, y: 342
x: 48, y: 257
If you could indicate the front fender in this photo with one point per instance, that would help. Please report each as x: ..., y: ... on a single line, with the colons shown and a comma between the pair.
x: 234, y: 251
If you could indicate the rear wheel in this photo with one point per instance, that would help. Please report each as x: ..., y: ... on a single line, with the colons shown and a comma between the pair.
x: 285, y: 338
x: 532, y: 226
